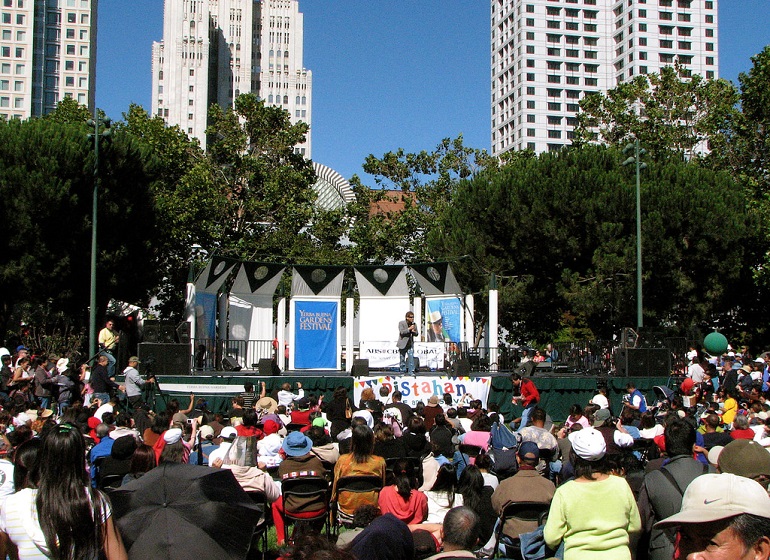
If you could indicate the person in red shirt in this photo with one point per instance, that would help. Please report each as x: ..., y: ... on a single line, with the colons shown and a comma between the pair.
x: 741, y: 428
x: 528, y: 396
x: 402, y: 499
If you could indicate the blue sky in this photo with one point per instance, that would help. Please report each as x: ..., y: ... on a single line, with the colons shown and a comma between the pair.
x: 386, y: 75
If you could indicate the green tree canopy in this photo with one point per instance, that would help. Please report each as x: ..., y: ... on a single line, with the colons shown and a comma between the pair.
x: 668, y: 112
x: 46, y: 184
x: 559, y: 232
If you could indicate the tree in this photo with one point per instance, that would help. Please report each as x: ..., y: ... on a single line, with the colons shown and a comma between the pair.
x: 394, y: 221
x: 669, y: 112
x: 46, y: 184
x: 558, y: 231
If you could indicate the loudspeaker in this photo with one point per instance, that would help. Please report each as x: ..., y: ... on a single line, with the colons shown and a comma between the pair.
x: 647, y: 362
x: 462, y: 368
x: 360, y: 367
x: 151, y: 331
x: 165, y: 359
x: 527, y: 369
x: 267, y: 366
x: 183, y: 332
x: 229, y: 364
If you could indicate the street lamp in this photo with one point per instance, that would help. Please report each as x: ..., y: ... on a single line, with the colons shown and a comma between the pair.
x: 101, y: 127
x: 637, y: 153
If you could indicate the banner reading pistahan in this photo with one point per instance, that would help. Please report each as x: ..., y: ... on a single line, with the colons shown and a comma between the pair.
x: 315, y: 335
x: 415, y: 389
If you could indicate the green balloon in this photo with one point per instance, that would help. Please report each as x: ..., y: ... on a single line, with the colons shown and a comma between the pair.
x: 715, y: 343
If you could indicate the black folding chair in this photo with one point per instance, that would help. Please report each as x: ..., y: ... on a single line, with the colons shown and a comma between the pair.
x: 262, y: 524
x: 357, y: 485
x: 312, y: 490
x: 523, y: 511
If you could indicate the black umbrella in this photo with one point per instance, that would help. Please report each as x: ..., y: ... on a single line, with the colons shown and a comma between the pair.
x: 185, y: 511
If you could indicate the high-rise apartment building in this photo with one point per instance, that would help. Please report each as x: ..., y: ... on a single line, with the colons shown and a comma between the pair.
x: 549, y: 54
x: 47, y: 53
x: 214, y: 50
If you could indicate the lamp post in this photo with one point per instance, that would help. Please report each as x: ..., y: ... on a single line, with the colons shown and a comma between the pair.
x: 637, y: 153
x: 97, y: 123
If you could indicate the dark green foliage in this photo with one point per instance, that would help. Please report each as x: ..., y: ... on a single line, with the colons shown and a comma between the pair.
x: 559, y: 232
x: 46, y: 185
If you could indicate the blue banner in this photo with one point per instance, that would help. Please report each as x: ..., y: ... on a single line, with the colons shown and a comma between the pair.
x: 315, y: 334
x: 444, y: 317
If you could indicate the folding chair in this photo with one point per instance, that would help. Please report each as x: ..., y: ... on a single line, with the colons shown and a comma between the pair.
x: 261, y: 525
x: 355, y: 484
x: 309, y: 489
x: 523, y: 511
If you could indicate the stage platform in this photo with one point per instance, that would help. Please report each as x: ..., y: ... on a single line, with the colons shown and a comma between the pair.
x: 558, y: 392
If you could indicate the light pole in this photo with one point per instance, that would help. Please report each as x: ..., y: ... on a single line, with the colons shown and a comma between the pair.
x: 638, y: 152
x: 97, y: 122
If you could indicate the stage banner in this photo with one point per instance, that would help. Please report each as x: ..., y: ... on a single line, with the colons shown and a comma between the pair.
x: 205, y: 315
x: 316, y: 334
x: 378, y: 318
x: 445, y: 319
x: 416, y: 389
x: 384, y: 354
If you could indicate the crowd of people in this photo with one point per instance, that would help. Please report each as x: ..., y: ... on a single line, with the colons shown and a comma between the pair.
x: 448, y: 478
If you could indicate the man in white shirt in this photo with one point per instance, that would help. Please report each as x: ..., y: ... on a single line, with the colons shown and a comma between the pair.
x: 227, y: 434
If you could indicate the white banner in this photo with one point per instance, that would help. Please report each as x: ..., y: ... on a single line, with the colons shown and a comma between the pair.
x: 415, y: 389
x: 384, y: 354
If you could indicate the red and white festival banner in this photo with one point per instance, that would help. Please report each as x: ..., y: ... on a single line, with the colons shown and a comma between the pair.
x: 415, y: 389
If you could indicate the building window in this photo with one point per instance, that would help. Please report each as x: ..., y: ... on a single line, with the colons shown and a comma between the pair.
x: 530, y: 22
x: 554, y: 79
x: 530, y: 90
x: 554, y: 51
x: 530, y: 131
x: 709, y: 74
x: 6, y: 18
x: 709, y: 61
x: 553, y: 106
x: 709, y: 47
x: 530, y: 63
x: 530, y: 118
x: 643, y: 27
x: 709, y: 32
x: 530, y: 104
x: 554, y: 134
x: 69, y: 81
x: 709, y: 19
x: 530, y: 49
x: 530, y: 36
x: 530, y: 77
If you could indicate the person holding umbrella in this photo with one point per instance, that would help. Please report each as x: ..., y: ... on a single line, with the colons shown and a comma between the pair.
x: 68, y: 520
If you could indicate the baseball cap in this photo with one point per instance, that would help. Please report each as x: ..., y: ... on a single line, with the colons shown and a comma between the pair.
x: 588, y: 444
x: 714, y: 453
x: 134, y: 359
x: 747, y: 458
x: 228, y: 432
x: 172, y: 435
x: 206, y: 432
x: 529, y: 450
x: 601, y: 416
x: 713, y: 497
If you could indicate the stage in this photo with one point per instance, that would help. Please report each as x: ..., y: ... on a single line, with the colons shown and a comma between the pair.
x: 558, y: 392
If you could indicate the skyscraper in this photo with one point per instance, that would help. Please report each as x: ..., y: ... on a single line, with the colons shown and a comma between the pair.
x: 214, y: 50
x: 548, y: 54
x: 47, y: 53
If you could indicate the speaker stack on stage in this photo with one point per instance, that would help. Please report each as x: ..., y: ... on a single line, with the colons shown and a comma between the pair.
x: 360, y: 368
x: 268, y: 367
x: 165, y: 358
x: 230, y: 364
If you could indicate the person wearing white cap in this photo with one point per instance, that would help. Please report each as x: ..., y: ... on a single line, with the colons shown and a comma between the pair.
x: 227, y: 434
x: 595, y: 515
x: 723, y: 517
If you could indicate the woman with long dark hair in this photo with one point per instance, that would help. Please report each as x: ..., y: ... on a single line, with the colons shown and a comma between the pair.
x: 402, y: 498
x: 69, y: 520
x: 337, y: 411
x: 443, y: 494
x: 358, y: 462
x: 595, y: 515
x: 478, y: 497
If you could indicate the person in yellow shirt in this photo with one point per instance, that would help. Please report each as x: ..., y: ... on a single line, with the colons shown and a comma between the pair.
x: 730, y: 409
x: 108, y: 343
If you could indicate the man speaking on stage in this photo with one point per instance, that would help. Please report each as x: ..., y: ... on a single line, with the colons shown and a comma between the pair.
x: 407, y: 330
